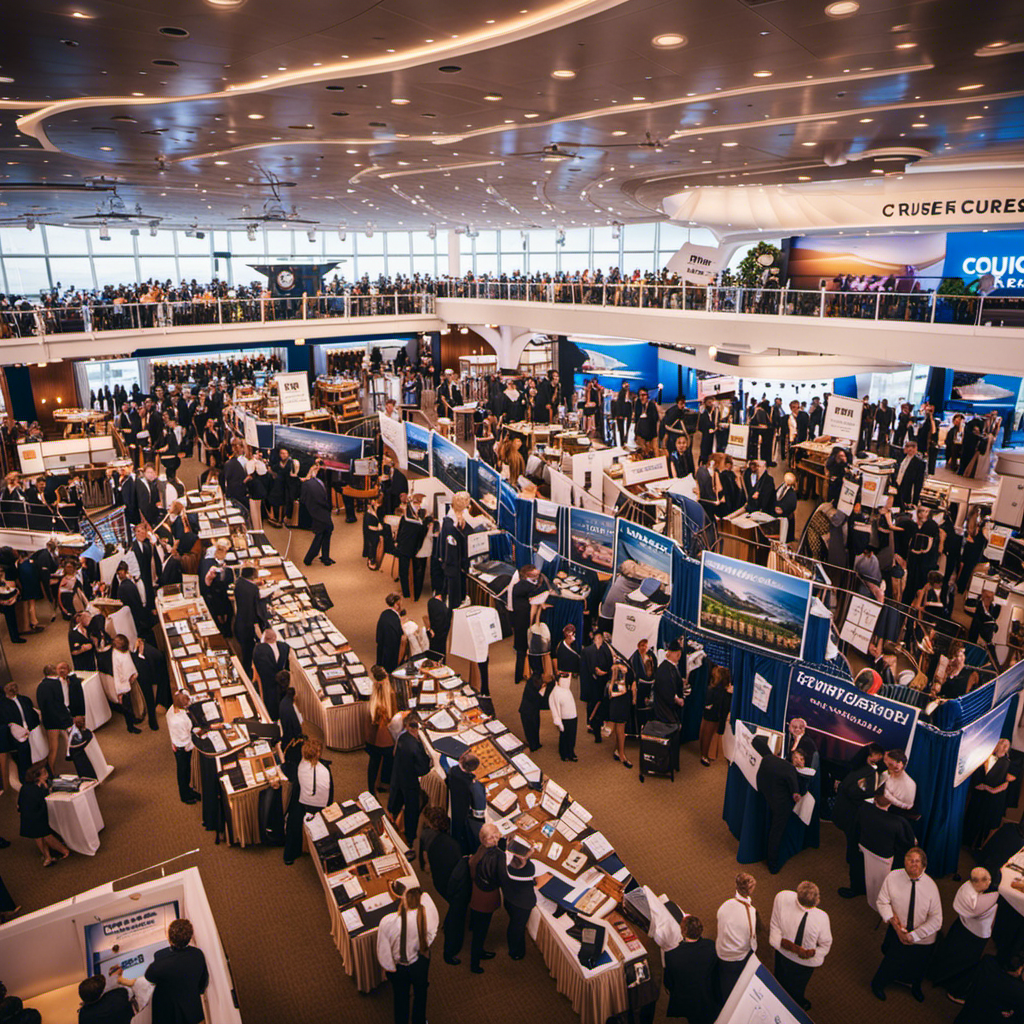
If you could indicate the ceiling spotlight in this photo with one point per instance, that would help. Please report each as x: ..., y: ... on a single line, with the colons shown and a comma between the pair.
x: 619, y: 131
x: 905, y: 46
x: 220, y: 163
x: 311, y: 234
x: 972, y: 87
x: 866, y: 120
x: 997, y: 48
x: 669, y: 41
x: 463, y: 330
x: 250, y: 232
x: 842, y: 8
x: 493, y: 97
x: 919, y: 124
x: 255, y: 117
x: 803, y: 177
x: 712, y: 350
x: 762, y: 74
x: 104, y: 232
x: 400, y: 101
x: 730, y: 143
x: 563, y: 73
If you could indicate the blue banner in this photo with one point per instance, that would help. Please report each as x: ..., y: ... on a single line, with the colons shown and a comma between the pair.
x: 762, y: 607
x: 1008, y: 683
x: 842, y: 719
x: 449, y: 462
x: 978, y: 740
x: 592, y: 540
x: 646, y: 548
x: 417, y: 440
x: 507, y: 497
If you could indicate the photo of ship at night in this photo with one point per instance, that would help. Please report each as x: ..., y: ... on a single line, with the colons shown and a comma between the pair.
x: 338, y: 451
x: 740, y: 601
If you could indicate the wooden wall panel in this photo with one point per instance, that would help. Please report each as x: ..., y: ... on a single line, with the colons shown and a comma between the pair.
x: 53, y: 386
x: 454, y: 345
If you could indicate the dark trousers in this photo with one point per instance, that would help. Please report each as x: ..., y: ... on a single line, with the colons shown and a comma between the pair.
x: 414, y: 979
x: 779, y: 819
x: 409, y: 804
x: 149, y: 696
x: 7, y: 903
x: 410, y: 573
x: 729, y: 972
x: 321, y: 542
x: 516, y: 933
x: 380, y: 758
x: 455, y: 928
x: 23, y: 758
x: 856, y: 861
x: 183, y: 770
x: 485, y: 678
x: 479, y: 923
x: 247, y: 644
x: 12, y: 621
x: 531, y: 728
x: 900, y: 962
x: 455, y: 589
x: 595, y: 718
x: 567, y: 739
x: 126, y: 707
x: 520, y: 665
x: 793, y: 977
x: 293, y: 826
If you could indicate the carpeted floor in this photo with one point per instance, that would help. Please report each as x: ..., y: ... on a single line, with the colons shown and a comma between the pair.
x: 273, y: 919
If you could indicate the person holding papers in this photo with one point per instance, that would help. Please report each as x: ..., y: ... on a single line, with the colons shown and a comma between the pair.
x: 403, y: 949
x: 900, y: 788
x: 518, y: 892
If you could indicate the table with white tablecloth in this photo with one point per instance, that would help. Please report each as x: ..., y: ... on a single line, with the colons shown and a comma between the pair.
x: 76, y: 818
x: 97, y: 707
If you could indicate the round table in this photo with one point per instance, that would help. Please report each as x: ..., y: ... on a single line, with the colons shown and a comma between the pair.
x: 76, y: 818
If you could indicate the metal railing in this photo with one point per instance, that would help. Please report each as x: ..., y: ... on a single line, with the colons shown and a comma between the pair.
x: 887, y: 306
x: 130, y: 316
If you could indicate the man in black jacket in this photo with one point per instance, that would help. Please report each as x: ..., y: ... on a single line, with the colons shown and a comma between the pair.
x: 147, y: 496
x: 707, y: 426
x: 781, y: 785
x: 180, y: 978
x: 879, y: 831
x: 449, y: 872
x: 595, y: 671
x: 461, y: 781
x: 148, y: 666
x: 18, y: 711
x: 759, y: 488
x: 61, y: 704
x: 909, y: 477
x: 147, y: 557
x: 236, y: 478
x: 391, y: 642
x: 439, y: 624
x: 797, y: 425
x: 270, y: 657
x: 645, y: 419
x: 669, y: 693
x: 622, y: 412
x: 127, y: 592
x: 102, y: 1005
x: 317, y: 502
x: 691, y: 976
x: 247, y: 614
x: 412, y: 762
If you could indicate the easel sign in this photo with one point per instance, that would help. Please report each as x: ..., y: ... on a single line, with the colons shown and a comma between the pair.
x: 737, y: 443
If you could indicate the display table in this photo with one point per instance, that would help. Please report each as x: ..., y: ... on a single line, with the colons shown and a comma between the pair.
x: 76, y: 818
x: 98, y: 759
x: 97, y: 706
x: 343, y: 725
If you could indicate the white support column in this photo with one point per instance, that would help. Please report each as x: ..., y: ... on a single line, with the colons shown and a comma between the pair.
x: 507, y: 342
x: 454, y: 254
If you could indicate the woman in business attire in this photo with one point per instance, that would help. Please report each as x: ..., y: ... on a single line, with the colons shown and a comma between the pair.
x: 620, y: 697
x: 35, y: 823
x: 373, y: 535
x: 680, y: 462
x: 379, y: 743
x: 988, y: 796
x: 717, y: 702
x: 312, y: 790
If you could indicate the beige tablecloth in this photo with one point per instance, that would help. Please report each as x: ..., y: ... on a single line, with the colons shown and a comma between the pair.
x: 76, y: 818
x: 343, y: 725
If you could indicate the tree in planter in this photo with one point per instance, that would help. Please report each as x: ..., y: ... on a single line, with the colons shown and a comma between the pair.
x: 748, y: 274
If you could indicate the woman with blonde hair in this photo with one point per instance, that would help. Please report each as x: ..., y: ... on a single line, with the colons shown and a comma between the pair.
x: 403, y: 948
x: 717, y: 702
x: 312, y: 790
x: 620, y: 698
x: 379, y: 744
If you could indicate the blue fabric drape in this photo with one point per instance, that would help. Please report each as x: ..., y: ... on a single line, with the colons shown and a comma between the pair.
x: 955, y: 714
x: 524, y: 522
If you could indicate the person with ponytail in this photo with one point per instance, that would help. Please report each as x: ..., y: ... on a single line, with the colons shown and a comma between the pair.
x: 403, y: 948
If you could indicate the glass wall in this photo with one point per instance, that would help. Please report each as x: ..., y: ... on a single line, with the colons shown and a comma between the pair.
x: 77, y: 259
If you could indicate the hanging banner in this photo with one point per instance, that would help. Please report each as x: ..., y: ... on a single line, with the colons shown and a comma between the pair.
x: 842, y: 417
x: 978, y: 740
x: 417, y: 447
x: 736, y: 446
x: 449, y: 463
x: 762, y: 607
x: 842, y: 719
x: 696, y: 264
x: 392, y: 433
x: 293, y: 392
x: 488, y: 485
x: 592, y: 539
x: 650, y: 550
x: 1007, y: 683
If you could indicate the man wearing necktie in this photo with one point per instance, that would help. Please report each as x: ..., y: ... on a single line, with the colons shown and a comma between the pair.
x: 317, y: 503
x: 801, y: 936
x: 909, y: 902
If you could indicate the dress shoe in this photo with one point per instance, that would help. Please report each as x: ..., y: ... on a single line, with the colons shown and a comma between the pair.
x: 307, y: 563
x: 131, y: 728
x: 191, y: 800
x: 476, y: 970
x: 849, y: 894
x: 878, y: 993
x: 327, y: 561
x: 916, y: 992
x: 573, y: 758
x: 488, y: 954
x: 453, y: 960
x: 155, y: 728
x: 19, y: 640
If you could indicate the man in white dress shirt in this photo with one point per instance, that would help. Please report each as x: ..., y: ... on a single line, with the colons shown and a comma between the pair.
x: 179, y: 726
x: 900, y: 788
x: 801, y: 936
x: 909, y: 902
x: 737, y: 932
x: 962, y: 948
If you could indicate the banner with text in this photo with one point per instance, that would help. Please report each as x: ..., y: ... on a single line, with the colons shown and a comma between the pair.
x: 650, y: 550
x: 842, y: 417
x: 592, y: 539
x: 1008, y: 683
x: 696, y: 264
x: 842, y: 719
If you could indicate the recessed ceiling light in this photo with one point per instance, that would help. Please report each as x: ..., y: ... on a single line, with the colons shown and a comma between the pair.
x: 138, y: 94
x: 842, y: 8
x: 221, y: 163
x: 255, y: 117
x: 669, y: 41
x: 804, y: 177
x: 877, y: 170
x: 449, y: 69
x: 808, y: 143
x: 974, y: 117
x: 972, y: 87
x: 80, y: 14
x: 866, y: 120
x: 730, y: 143
x: 493, y: 97
x: 997, y: 48
x: 762, y: 74
x: 905, y: 46
x: 170, y: 30
x: 107, y: 149
x: 531, y: 115
x: 563, y: 73
x: 618, y: 131
x: 400, y: 101
x: 639, y: 99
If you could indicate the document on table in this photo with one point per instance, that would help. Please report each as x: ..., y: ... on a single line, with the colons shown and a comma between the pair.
x: 527, y: 767
x: 368, y: 802
x: 355, y: 848
x: 317, y: 827
x: 352, y: 920
x: 372, y: 903
x: 804, y: 808
x: 508, y: 741
x: 353, y: 822
x: 597, y: 846
x: 504, y: 800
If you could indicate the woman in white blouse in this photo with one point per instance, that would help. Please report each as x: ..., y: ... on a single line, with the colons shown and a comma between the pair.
x: 312, y: 790
x: 964, y: 944
x: 125, y: 674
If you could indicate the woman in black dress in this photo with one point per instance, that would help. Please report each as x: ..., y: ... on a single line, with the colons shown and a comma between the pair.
x: 620, y: 697
x: 35, y: 823
x: 717, y: 703
x: 567, y: 655
x: 291, y: 720
x: 373, y: 548
x: 530, y: 705
x: 732, y: 495
x: 988, y: 796
x: 835, y: 469
x: 974, y: 546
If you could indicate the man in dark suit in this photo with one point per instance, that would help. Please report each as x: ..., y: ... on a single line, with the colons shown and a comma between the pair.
x: 645, y: 419
x: 391, y: 642
x: 148, y: 664
x: 884, y: 418
x: 317, y: 502
x: 247, y: 614
x: 759, y: 488
x: 881, y: 832
x: 779, y: 782
x: 124, y: 494
x: 669, y: 693
x: 439, y: 623
x: 214, y: 579
x: 858, y: 786
x: 449, y: 871
x: 147, y: 555
x: 127, y: 592
x: 18, y: 711
x: 691, y: 976
x: 705, y: 480
x: 180, y: 978
x: 785, y: 505
x: 815, y: 417
x: 269, y: 657
x: 411, y: 763
x: 61, y: 704
x: 46, y: 564
x: 147, y: 496
x: 102, y: 1005
x: 595, y: 670
x: 909, y: 476
x: 236, y: 478
x: 707, y: 425
x: 171, y: 574
x: 797, y: 426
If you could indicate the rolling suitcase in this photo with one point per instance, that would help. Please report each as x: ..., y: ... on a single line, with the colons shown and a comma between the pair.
x: 656, y: 750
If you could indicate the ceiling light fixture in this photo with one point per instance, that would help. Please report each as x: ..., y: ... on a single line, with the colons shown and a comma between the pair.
x: 493, y: 97
x: 104, y: 232
x: 250, y: 232
x: 919, y: 124
x: 804, y: 177
x: 972, y: 87
x: 905, y: 46
x: 400, y: 101
x: 563, y: 73
x: 866, y: 120
x: 808, y: 143
x: 669, y: 41
x: 730, y: 143
x: 311, y: 234
x: 842, y: 8
x: 220, y: 163
x: 531, y: 115
x: 997, y: 48
x: 255, y: 117
x: 762, y: 74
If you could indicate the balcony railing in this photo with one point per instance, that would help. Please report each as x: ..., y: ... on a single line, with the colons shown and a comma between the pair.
x: 199, y: 313
x: 885, y: 306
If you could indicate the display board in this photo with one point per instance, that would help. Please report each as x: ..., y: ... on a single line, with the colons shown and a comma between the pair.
x: 592, y: 539
x: 842, y: 417
x: 842, y: 719
x: 651, y: 550
x: 978, y: 740
x: 545, y: 523
x: 474, y: 629
x: 488, y: 484
x: 449, y: 463
x: 644, y: 470
x: 1007, y: 683
x: 392, y: 433
x: 507, y: 496
x: 631, y: 625
x: 561, y: 487
x: 417, y: 443
x: 736, y: 446
x: 757, y: 998
x: 859, y: 624
x: 293, y: 392
x: 338, y: 451
x: 129, y: 941
x: 741, y: 601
